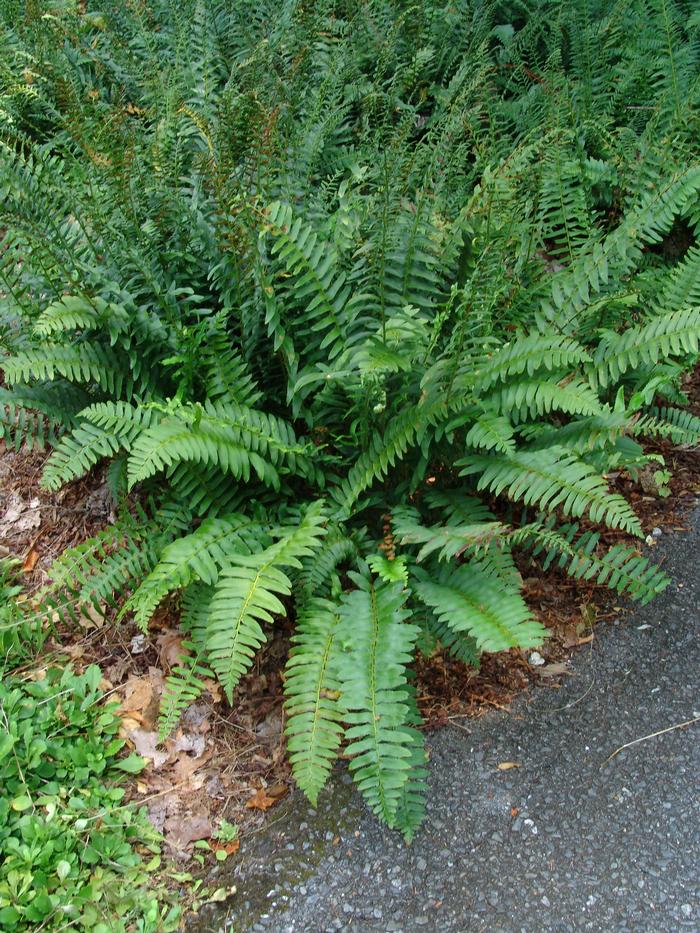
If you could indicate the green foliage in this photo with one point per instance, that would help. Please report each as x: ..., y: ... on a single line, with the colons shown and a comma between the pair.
x: 70, y: 847
x: 334, y: 291
x: 21, y: 634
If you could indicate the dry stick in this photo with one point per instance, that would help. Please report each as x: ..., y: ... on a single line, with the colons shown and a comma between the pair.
x: 680, y: 725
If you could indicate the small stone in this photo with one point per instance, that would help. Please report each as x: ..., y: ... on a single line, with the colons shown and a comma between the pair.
x: 686, y: 910
x: 421, y: 863
x: 546, y: 901
x: 656, y: 532
x: 536, y: 659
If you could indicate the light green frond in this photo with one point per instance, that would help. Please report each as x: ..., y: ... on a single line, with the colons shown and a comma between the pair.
x: 314, y: 710
x: 248, y: 593
x: 377, y: 642
x: 553, y: 478
x: 198, y: 556
x: 466, y: 599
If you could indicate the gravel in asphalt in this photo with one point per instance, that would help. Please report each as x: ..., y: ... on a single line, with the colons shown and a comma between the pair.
x: 567, y: 841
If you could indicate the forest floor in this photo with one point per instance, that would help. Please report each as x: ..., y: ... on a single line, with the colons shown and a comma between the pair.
x: 229, y: 762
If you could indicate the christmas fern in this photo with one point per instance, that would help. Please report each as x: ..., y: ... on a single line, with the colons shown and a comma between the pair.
x: 335, y: 298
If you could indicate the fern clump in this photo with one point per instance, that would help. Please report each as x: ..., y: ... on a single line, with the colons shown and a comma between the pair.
x: 355, y: 314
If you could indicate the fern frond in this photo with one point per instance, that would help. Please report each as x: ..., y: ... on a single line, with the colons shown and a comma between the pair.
x: 248, y: 593
x: 668, y: 335
x: 410, y: 810
x: 106, y: 429
x: 526, y: 355
x: 492, y: 432
x: 681, y: 426
x: 314, y: 710
x: 318, y: 284
x: 449, y: 540
x: 621, y: 568
x: 82, y: 363
x: 182, y: 687
x: 377, y: 645
x: 78, y: 313
x: 531, y: 399
x: 198, y: 556
x: 466, y: 599
x: 234, y: 439
x: 553, y: 478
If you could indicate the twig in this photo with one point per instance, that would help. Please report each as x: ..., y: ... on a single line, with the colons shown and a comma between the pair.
x: 680, y: 725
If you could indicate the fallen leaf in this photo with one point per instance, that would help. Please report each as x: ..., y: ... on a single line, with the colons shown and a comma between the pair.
x: 514, y: 811
x: 138, y: 644
x: 129, y: 723
x: 138, y: 693
x: 261, y: 801
x: 142, y: 697
x: 187, y: 742
x: 555, y: 669
x: 230, y: 848
x: 29, y: 562
x: 508, y: 765
x: 91, y: 616
x: 186, y: 765
x: 171, y: 649
x: 182, y: 830
x: 145, y: 743
x: 213, y: 688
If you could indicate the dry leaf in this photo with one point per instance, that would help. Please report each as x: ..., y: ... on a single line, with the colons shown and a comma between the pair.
x: 230, y: 848
x: 185, y: 766
x: 138, y: 694
x: 213, y: 688
x: 187, y: 742
x: 145, y: 744
x: 91, y: 616
x: 128, y: 724
x: 181, y: 830
x: 508, y: 765
x: 171, y: 649
x: 142, y: 697
x: 556, y: 669
x: 261, y: 801
x: 29, y: 562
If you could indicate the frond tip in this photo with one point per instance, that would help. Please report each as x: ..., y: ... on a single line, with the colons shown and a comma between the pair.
x: 377, y: 642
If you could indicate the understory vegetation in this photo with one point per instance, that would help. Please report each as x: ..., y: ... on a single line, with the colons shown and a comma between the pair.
x: 361, y: 303
x: 74, y: 855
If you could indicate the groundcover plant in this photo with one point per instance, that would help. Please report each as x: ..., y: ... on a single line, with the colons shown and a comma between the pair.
x: 358, y: 300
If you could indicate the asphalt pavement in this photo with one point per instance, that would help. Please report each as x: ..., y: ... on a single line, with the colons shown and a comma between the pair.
x: 569, y: 840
